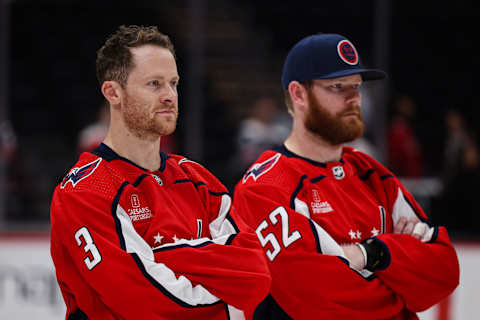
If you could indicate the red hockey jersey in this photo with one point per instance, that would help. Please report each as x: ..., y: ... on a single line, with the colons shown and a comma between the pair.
x: 304, y: 210
x: 129, y: 243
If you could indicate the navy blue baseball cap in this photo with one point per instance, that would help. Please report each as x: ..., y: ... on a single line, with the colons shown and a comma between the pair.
x: 325, y: 56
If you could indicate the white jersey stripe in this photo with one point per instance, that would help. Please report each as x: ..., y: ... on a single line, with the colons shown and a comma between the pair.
x: 302, y: 207
x: 327, y: 244
x: 181, y: 287
x: 222, y: 226
x: 383, y: 219
x: 401, y: 208
x: 235, y: 314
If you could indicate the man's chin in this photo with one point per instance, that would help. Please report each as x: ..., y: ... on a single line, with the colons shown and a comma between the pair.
x: 166, y: 131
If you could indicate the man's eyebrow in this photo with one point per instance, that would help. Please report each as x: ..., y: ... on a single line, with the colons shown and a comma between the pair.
x: 160, y: 77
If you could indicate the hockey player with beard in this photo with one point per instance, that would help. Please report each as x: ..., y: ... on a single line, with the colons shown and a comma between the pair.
x: 343, y: 238
x: 137, y: 233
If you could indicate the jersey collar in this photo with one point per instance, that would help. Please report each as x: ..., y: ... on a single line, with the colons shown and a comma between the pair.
x: 284, y: 151
x: 106, y: 153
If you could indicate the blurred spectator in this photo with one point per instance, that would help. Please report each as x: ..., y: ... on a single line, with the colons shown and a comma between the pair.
x: 94, y: 133
x: 19, y: 194
x: 8, y: 149
x: 363, y: 144
x: 404, y: 149
x: 264, y: 128
x: 456, y: 141
x: 459, y: 200
x: 168, y: 144
x: 8, y: 142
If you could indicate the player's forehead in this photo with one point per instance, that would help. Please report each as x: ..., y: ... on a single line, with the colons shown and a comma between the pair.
x: 153, y: 60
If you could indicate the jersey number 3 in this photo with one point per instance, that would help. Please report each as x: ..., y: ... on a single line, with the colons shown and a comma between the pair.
x: 89, y: 247
x: 287, y: 237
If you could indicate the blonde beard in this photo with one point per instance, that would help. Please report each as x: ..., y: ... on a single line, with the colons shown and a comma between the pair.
x: 141, y: 124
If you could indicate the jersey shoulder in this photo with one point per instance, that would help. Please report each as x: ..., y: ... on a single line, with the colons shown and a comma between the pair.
x: 362, y: 162
x: 272, y: 168
x: 194, y: 171
x: 91, y: 173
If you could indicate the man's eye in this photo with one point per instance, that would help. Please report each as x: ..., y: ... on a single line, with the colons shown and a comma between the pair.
x: 174, y: 83
x: 154, y: 83
x: 357, y: 86
x: 336, y: 86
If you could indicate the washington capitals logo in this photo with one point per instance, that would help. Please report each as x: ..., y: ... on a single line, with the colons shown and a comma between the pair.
x: 347, y: 52
x: 260, y: 168
x: 77, y: 174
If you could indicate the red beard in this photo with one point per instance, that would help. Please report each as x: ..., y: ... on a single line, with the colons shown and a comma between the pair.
x: 333, y: 128
x: 141, y: 123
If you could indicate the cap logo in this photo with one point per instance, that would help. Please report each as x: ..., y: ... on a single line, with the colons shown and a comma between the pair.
x: 347, y: 52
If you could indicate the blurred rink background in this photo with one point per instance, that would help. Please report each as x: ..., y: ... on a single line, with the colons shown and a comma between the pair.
x: 421, y: 121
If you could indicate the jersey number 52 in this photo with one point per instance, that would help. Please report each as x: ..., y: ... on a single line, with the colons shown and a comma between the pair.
x: 287, y: 237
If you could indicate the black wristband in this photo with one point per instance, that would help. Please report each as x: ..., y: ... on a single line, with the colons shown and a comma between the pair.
x: 376, y: 254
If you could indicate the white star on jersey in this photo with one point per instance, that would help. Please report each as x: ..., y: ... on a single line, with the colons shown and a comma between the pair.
x: 352, y: 234
x: 355, y: 234
x: 359, y: 234
x: 175, y: 239
x: 375, y: 232
x: 158, y: 238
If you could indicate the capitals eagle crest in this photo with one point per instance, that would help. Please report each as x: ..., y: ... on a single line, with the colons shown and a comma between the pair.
x: 260, y: 168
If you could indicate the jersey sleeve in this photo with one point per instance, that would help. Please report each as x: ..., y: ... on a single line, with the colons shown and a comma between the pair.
x: 240, y: 262
x: 133, y: 281
x: 421, y: 272
x: 230, y: 263
x: 310, y: 274
x: 231, y: 267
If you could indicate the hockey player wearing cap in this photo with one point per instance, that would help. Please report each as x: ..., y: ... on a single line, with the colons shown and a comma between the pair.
x: 343, y: 237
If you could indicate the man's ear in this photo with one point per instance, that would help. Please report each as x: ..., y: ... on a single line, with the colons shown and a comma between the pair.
x: 298, y: 95
x: 113, y: 92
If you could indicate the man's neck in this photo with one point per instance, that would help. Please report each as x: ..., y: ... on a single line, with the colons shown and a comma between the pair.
x: 145, y: 153
x: 310, y: 146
